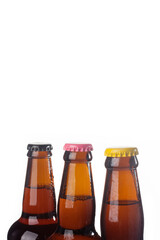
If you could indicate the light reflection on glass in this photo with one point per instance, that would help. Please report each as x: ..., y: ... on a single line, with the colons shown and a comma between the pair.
x: 29, y: 236
x: 113, y: 208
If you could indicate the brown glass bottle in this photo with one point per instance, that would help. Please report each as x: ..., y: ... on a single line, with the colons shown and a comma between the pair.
x: 76, y: 208
x: 38, y: 220
x: 122, y: 213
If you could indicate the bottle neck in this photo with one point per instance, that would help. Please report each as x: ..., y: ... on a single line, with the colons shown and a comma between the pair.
x: 121, y: 181
x: 76, y: 200
x: 39, y: 204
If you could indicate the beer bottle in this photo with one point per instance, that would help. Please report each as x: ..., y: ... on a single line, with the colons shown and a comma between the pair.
x: 122, y: 213
x: 76, y: 208
x: 38, y: 219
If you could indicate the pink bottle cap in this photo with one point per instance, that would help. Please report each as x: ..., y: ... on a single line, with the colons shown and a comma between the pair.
x: 71, y: 147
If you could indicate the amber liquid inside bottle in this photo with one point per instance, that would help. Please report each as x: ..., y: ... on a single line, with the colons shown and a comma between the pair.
x: 76, y: 201
x: 122, y: 213
x: 38, y: 220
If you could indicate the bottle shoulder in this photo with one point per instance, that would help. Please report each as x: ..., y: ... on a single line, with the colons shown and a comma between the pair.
x: 82, y: 234
x: 19, y: 231
x: 58, y: 236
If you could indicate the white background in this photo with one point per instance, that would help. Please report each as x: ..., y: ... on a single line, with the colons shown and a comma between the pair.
x: 85, y: 71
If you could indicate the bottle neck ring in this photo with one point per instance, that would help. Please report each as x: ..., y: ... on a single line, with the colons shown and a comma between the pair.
x: 121, y: 163
x: 39, y: 154
x: 77, y: 156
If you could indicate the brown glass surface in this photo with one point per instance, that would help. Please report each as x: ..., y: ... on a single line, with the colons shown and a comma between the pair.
x: 76, y: 206
x: 38, y: 220
x: 122, y: 213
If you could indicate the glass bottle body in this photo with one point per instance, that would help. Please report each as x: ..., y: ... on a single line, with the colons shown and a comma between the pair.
x: 122, y: 213
x: 38, y: 219
x: 76, y: 207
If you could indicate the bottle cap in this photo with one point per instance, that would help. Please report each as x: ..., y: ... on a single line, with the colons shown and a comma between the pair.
x: 72, y: 147
x: 121, y: 152
x: 39, y: 147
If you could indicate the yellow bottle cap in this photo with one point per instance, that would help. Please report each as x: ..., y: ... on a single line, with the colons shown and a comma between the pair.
x: 121, y: 152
